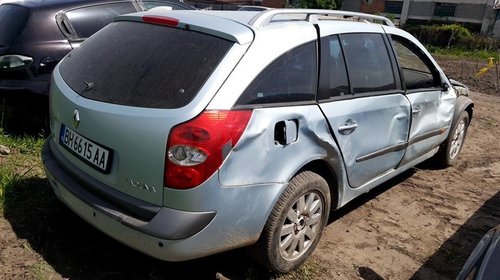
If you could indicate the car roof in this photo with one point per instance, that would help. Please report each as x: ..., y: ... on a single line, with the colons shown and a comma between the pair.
x: 260, y: 19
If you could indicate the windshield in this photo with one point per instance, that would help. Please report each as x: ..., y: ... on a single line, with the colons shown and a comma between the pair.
x: 13, y: 19
x: 143, y: 65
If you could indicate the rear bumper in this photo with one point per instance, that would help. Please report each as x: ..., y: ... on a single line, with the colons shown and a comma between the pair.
x: 161, y: 232
x: 116, y: 220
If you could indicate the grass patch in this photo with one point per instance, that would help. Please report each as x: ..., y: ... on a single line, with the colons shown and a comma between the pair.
x: 21, y: 161
x: 23, y: 144
x: 42, y: 271
x: 311, y: 269
x: 7, y: 180
x: 463, y: 53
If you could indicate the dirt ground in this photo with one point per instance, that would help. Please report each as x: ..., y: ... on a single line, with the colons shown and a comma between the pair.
x: 421, y: 225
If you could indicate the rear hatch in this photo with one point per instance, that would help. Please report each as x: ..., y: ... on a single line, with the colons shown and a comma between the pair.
x: 115, y: 99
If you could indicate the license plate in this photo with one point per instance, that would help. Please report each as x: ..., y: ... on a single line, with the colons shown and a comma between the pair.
x: 93, y: 154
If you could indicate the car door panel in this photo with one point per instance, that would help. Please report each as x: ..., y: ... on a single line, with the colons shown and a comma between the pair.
x: 377, y: 144
x: 431, y: 105
x: 431, y: 119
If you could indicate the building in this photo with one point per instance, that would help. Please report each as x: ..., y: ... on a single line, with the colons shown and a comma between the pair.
x: 480, y: 13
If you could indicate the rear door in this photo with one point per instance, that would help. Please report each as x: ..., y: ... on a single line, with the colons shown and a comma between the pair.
x: 362, y: 99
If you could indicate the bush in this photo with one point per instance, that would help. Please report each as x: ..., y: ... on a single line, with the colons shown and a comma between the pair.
x: 317, y: 4
x: 452, y: 35
x: 440, y: 35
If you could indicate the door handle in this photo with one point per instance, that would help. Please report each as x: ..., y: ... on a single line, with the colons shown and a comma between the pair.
x: 348, y: 128
x: 416, y: 111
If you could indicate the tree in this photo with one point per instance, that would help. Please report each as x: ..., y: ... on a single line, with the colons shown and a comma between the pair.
x: 315, y: 4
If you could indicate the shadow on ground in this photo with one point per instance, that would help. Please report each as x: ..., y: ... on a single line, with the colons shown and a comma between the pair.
x: 364, y: 198
x: 453, y: 253
x: 78, y: 251
x: 24, y: 114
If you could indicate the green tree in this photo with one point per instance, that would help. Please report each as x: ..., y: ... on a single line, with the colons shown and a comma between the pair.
x: 317, y: 4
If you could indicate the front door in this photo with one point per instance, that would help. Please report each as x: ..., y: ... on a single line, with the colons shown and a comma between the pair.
x: 431, y: 105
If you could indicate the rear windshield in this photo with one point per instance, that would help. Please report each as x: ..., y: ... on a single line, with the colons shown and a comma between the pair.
x: 13, y: 19
x: 143, y: 65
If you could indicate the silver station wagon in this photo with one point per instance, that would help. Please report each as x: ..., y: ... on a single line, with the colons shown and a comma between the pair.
x: 187, y: 133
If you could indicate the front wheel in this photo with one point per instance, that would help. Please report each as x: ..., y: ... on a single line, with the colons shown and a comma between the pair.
x: 295, y: 225
x: 450, y: 149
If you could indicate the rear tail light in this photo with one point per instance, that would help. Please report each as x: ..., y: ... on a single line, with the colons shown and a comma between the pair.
x: 197, y: 148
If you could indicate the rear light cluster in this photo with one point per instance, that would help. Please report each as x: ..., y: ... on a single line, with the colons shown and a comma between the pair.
x: 197, y: 148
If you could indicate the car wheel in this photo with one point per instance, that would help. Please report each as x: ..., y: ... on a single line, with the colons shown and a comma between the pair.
x: 295, y: 225
x: 450, y: 149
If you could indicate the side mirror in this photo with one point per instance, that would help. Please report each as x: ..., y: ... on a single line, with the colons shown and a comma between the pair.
x: 445, y: 86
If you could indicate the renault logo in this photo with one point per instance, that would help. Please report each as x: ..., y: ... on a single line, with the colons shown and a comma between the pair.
x: 76, y: 118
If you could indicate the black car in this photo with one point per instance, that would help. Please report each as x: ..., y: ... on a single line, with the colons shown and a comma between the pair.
x: 484, y: 261
x: 35, y: 35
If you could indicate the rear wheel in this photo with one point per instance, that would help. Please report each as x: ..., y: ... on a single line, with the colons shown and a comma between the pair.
x: 450, y: 149
x: 296, y: 223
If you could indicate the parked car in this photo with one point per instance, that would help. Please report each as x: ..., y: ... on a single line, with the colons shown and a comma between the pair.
x: 196, y: 132
x: 484, y: 259
x: 36, y: 35
x: 252, y: 8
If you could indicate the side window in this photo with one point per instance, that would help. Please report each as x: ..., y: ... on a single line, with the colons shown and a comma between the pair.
x: 338, y: 81
x: 290, y: 78
x: 368, y: 62
x: 88, y: 20
x: 416, y: 73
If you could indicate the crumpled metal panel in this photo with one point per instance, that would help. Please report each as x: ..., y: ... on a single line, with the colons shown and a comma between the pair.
x: 382, y: 123
x: 258, y: 158
x: 432, y: 113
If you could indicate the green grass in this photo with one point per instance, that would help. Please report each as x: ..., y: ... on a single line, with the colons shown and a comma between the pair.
x: 463, y: 53
x: 42, y: 271
x: 21, y: 183
x: 25, y: 145
x: 22, y: 161
x: 311, y: 269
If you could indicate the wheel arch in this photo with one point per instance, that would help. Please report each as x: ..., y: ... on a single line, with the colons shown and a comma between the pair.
x: 462, y: 104
x: 322, y: 168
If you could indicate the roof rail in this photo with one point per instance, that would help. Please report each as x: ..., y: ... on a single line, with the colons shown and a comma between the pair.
x: 266, y: 17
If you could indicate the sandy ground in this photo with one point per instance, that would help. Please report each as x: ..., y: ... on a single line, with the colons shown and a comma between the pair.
x: 424, y: 224
x: 421, y: 225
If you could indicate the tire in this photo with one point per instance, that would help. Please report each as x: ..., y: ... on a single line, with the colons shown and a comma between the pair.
x: 301, y: 229
x: 451, y: 147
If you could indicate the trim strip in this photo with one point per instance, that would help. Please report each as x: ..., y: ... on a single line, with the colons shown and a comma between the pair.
x: 394, y: 148
x: 401, y: 146
x: 427, y: 135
